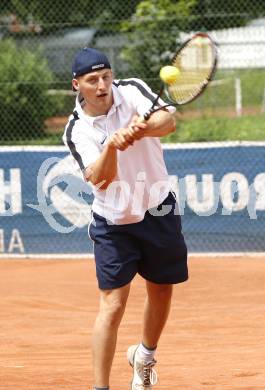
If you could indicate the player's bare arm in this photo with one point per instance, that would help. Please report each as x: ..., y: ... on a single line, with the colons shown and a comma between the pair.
x: 160, y: 123
x: 103, y: 171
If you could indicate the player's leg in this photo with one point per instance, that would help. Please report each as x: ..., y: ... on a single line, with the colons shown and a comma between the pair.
x: 164, y: 264
x: 112, y: 306
x: 141, y: 357
x: 156, y: 311
x: 116, y: 257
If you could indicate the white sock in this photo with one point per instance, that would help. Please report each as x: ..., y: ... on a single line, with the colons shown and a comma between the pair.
x: 145, y: 354
x: 101, y: 388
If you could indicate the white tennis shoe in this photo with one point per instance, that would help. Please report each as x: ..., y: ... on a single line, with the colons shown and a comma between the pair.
x: 144, y: 375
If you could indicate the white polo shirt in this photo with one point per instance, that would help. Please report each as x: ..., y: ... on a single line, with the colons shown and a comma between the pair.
x: 142, y: 180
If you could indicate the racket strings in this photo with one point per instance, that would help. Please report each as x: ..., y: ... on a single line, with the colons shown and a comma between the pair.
x: 195, y: 62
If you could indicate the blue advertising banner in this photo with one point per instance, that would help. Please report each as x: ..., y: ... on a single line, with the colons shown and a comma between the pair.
x: 45, y: 206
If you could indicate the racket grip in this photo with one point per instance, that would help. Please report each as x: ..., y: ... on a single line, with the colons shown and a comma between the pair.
x: 147, y: 115
x: 144, y: 118
x: 141, y: 119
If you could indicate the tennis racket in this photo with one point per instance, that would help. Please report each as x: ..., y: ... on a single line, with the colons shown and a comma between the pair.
x: 196, y: 62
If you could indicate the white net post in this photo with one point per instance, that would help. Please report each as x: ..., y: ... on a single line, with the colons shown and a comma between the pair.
x: 238, y: 95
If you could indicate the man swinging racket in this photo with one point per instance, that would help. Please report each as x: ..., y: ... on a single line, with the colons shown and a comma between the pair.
x: 135, y: 226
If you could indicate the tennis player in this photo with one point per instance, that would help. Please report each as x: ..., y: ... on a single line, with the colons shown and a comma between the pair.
x: 136, y: 227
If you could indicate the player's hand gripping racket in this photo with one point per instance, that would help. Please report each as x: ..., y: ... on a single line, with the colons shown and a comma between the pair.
x: 190, y: 72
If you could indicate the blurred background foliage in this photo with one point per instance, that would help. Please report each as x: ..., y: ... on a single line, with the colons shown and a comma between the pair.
x: 39, y: 39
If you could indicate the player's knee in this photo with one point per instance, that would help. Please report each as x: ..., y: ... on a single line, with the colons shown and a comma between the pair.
x: 114, y: 312
x: 112, y: 309
x: 160, y: 292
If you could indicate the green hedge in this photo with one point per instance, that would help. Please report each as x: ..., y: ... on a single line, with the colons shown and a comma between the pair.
x: 25, y: 104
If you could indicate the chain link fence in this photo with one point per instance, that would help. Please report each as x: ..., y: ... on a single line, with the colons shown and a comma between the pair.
x: 39, y: 39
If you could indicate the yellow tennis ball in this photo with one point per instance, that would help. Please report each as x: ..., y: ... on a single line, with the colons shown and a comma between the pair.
x: 169, y: 74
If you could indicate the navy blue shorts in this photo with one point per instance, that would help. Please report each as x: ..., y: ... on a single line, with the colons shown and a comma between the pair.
x: 154, y: 248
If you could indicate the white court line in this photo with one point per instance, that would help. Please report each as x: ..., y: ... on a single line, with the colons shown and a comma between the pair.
x: 215, y: 144
x: 34, y: 148
x: 67, y: 256
x: 184, y: 145
x: 90, y: 256
x: 227, y: 254
x: 6, y: 366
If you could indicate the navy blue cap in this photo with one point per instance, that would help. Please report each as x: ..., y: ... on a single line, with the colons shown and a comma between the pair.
x: 89, y: 60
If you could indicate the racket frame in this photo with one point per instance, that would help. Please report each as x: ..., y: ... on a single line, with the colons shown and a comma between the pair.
x: 204, y: 85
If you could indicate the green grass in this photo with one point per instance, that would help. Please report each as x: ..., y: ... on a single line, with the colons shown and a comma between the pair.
x: 250, y: 128
x: 212, y: 116
x: 245, y: 128
x: 221, y: 93
x: 253, y: 86
x: 46, y: 140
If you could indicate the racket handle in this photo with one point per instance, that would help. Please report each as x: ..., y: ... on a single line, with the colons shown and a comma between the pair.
x: 147, y: 115
x: 142, y: 119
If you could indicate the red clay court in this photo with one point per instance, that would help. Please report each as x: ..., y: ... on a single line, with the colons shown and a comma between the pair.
x: 214, y: 339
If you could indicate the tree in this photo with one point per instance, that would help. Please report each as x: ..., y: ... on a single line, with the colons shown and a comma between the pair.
x: 24, y: 101
x: 50, y: 14
x: 218, y: 14
x: 152, y: 32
